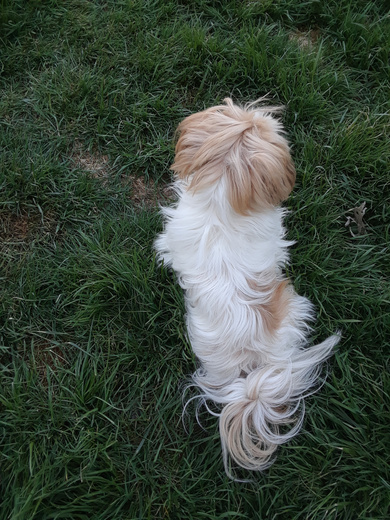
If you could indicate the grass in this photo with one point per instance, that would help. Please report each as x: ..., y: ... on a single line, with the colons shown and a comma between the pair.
x: 92, y: 341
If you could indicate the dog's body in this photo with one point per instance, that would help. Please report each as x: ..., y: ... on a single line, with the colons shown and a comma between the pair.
x: 224, y: 239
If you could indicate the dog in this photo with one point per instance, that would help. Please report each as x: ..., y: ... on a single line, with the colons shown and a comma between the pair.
x: 224, y: 238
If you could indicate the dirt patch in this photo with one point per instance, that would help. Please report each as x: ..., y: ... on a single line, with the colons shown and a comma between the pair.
x: 143, y: 193
x: 16, y: 227
x: 305, y: 39
x: 96, y: 164
x: 147, y: 193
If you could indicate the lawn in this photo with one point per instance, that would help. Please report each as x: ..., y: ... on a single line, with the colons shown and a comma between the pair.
x: 93, y: 349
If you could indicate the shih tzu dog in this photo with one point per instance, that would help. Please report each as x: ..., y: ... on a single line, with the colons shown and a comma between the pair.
x: 224, y: 239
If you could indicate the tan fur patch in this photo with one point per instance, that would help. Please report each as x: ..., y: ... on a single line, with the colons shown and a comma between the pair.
x: 274, y: 311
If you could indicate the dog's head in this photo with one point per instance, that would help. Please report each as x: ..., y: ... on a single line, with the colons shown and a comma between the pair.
x: 243, y: 146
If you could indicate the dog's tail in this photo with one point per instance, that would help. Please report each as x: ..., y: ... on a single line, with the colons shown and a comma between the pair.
x: 268, y: 398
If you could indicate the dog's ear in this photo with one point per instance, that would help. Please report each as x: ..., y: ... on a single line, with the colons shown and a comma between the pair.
x: 191, y: 137
x: 261, y: 174
x: 204, y: 144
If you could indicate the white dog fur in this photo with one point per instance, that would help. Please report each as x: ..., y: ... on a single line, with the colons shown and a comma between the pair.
x: 225, y: 241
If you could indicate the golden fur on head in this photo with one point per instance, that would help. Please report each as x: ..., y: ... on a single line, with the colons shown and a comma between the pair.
x: 242, y: 145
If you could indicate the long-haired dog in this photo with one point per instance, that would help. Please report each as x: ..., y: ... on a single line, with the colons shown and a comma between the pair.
x: 224, y: 239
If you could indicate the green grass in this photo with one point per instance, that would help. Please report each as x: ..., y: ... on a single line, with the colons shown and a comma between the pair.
x: 93, y: 352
